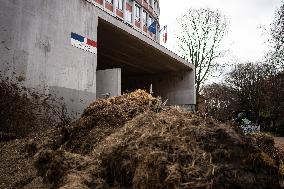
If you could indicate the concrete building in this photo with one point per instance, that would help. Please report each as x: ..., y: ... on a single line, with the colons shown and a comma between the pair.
x: 83, y: 49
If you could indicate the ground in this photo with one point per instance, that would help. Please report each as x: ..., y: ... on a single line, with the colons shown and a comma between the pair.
x: 279, y: 142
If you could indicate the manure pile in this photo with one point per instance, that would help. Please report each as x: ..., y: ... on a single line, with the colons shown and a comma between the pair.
x: 133, y: 141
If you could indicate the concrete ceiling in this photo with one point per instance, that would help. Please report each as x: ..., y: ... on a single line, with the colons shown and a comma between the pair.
x: 120, y: 49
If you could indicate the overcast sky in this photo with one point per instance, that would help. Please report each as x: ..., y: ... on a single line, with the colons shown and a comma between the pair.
x: 246, y: 39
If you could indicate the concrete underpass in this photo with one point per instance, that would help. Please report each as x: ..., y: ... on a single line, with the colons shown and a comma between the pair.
x: 36, y: 45
x: 126, y: 63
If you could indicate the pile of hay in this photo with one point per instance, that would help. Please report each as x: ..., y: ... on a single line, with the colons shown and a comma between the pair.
x: 132, y: 141
x: 24, y: 112
x: 266, y: 143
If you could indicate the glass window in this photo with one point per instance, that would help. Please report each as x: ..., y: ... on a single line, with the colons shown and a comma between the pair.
x: 128, y: 16
x: 150, y: 2
x: 110, y: 1
x: 120, y: 4
x: 150, y: 20
x: 145, y: 17
x: 137, y: 12
x: 155, y: 6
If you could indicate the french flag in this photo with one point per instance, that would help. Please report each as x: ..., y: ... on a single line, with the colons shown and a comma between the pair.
x: 83, y: 43
x: 164, y: 32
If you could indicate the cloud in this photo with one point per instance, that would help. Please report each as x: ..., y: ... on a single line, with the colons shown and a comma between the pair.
x: 246, y: 17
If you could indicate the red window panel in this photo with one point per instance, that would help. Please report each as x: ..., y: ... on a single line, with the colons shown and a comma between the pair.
x: 99, y: 2
x: 150, y: 9
x: 119, y: 13
x: 145, y: 28
x: 109, y: 6
x: 145, y: 4
x: 128, y: 7
x: 137, y: 23
x: 139, y: 1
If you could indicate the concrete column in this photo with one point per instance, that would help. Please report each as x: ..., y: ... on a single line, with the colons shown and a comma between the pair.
x: 158, y: 33
x: 108, y: 83
x: 114, y: 7
x: 141, y: 18
x: 133, y: 13
x: 104, y: 4
x: 124, y: 10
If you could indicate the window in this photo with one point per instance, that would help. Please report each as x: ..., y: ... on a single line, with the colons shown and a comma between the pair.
x: 144, y: 17
x: 155, y: 5
x: 128, y: 16
x: 109, y: 1
x: 120, y: 4
x: 150, y: 20
x: 150, y: 2
x: 137, y: 12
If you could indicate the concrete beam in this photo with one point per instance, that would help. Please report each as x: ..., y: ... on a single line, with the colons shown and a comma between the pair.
x: 144, y: 39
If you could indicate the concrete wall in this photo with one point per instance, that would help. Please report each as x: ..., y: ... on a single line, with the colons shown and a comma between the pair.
x: 35, y: 44
x: 177, y: 88
x: 108, y: 81
x: 35, y: 47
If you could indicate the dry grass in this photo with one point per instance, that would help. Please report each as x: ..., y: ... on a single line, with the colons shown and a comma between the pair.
x: 132, y: 141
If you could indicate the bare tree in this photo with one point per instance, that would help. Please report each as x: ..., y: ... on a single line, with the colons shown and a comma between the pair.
x: 258, y: 88
x: 220, y: 101
x: 276, y: 56
x: 200, y: 34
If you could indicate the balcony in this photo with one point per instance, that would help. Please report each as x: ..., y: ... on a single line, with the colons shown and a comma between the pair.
x: 126, y: 14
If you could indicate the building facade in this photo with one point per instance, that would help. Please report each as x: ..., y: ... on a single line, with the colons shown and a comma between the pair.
x: 81, y: 50
x: 139, y: 14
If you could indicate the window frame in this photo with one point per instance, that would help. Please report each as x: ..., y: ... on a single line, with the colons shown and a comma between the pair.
x: 138, y: 8
x: 145, y: 13
x: 150, y: 20
x: 118, y: 4
x: 129, y: 16
x: 155, y: 5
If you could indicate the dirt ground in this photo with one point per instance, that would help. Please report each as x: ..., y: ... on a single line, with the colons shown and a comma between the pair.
x: 279, y: 142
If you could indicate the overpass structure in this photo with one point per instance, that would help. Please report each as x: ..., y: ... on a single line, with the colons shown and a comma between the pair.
x: 83, y: 49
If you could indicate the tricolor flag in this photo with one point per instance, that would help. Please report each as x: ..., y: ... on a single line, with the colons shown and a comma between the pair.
x: 83, y: 43
x: 164, y: 32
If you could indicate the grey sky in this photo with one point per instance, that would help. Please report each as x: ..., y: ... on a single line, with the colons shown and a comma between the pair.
x: 246, y: 40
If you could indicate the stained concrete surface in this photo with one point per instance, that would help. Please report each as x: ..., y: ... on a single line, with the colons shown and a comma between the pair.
x: 108, y: 82
x: 35, y: 46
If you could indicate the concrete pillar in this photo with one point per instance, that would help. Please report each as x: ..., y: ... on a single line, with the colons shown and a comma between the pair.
x: 141, y: 19
x: 108, y: 83
x: 124, y: 10
x: 114, y: 7
x: 158, y: 33
x: 133, y: 13
x: 104, y: 4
